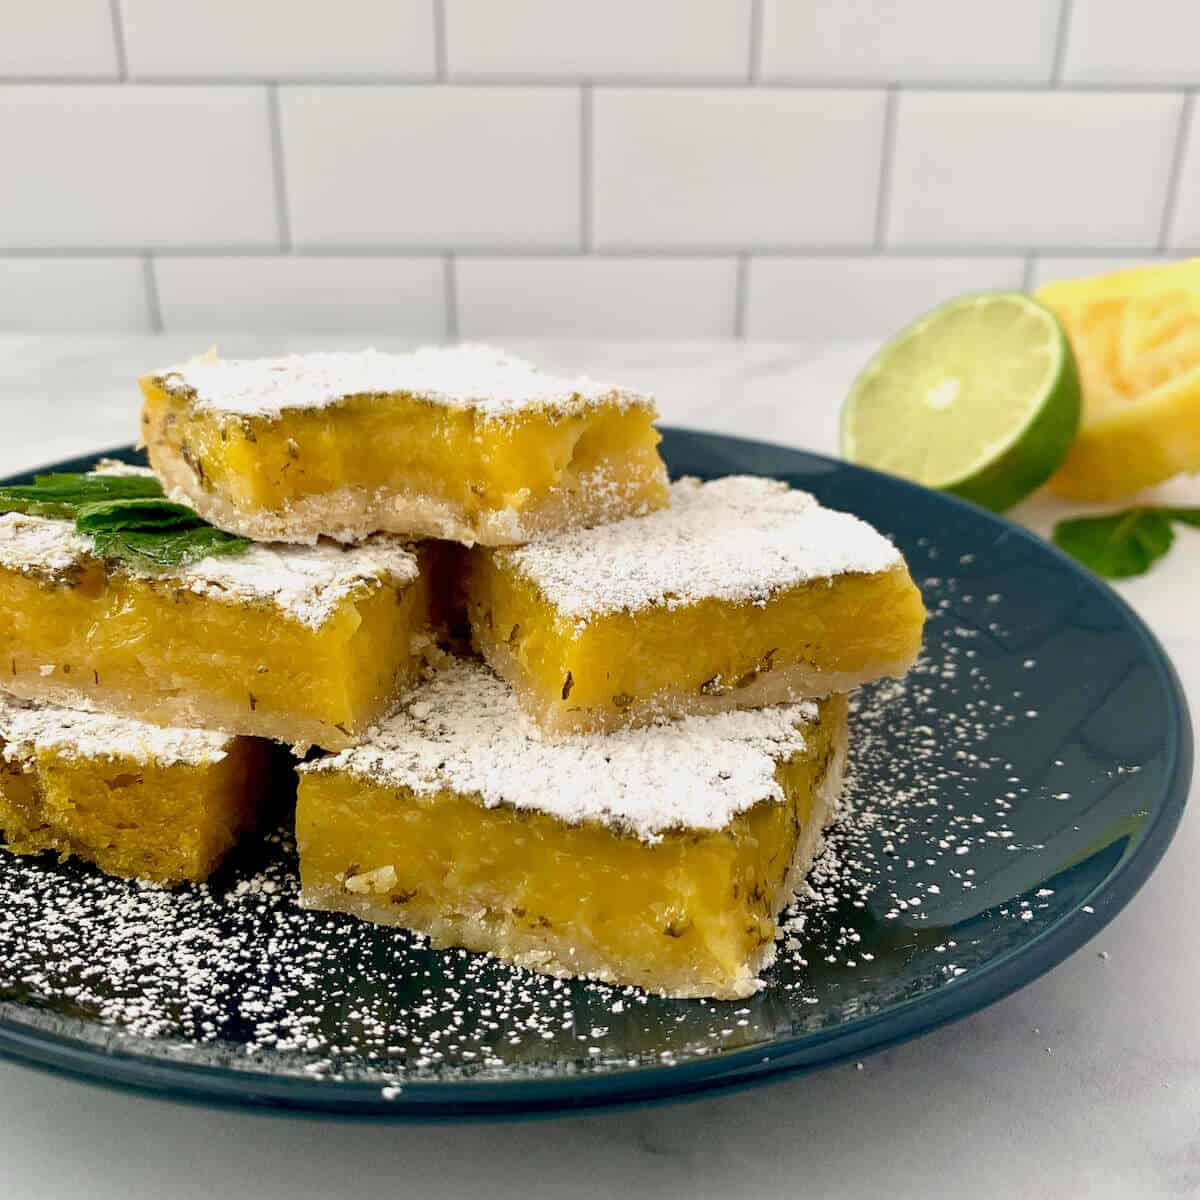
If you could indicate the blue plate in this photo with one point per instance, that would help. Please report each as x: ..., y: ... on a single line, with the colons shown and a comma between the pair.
x: 1012, y: 795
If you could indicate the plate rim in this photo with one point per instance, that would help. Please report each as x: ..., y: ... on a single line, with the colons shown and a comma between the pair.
x: 955, y: 999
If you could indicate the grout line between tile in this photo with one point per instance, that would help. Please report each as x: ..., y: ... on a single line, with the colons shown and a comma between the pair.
x: 586, y: 168
x: 1027, y: 273
x: 1175, y: 176
x: 450, y: 278
x: 940, y: 87
x: 441, y: 53
x: 153, y: 304
x: 887, y: 150
x: 118, y: 30
x: 754, y: 65
x: 282, y: 213
x: 1065, y: 13
x: 610, y: 252
x: 741, y: 297
x: 128, y: 251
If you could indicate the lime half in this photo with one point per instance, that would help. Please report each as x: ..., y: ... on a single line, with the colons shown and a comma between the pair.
x: 980, y: 397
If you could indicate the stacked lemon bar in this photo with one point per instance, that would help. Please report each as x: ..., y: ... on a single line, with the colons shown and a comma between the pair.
x: 146, y: 657
x: 636, y: 776
x: 568, y: 713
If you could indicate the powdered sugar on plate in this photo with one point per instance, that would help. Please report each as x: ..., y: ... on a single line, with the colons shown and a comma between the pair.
x: 741, y: 538
x: 480, y: 378
x: 27, y: 727
x: 463, y: 730
x: 935, y: 868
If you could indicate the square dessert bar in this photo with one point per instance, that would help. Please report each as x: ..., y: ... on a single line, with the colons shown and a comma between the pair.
x: 742, y: 593
x: 465, y: 444
x: 306, y: 645
x: 135, y: 799
x: 658, y: 857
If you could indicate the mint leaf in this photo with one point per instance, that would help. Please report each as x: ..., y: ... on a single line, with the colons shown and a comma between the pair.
x: 61, y: 495
x: 135, y: 514
x: 1122, y: 544
x: 166, y: 548
x: 125, y: 516
x: 1187, y: 516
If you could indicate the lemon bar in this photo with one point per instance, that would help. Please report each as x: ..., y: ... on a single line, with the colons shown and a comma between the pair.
x: 307, y: 645
x: 135, y: 799
x: 658, y: 857
x: 465, y: 444
x: 743, y: 593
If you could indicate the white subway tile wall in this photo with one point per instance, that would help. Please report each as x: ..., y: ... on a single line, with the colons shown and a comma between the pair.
x: 735, y: 168
x: 576, y: 297
x: 105, y: 166
x: 279, y: 39
x: 1184, y: 231
x: 1032, y: 168
x: 797, y: 169
x: 831, y: 297
x: 888, y: 41
x: 434, y: 167
x: 1150, y: 42
x: 571, y: 40
x: 304, y: 294
x: 74, y: 39
x: 74, y: 295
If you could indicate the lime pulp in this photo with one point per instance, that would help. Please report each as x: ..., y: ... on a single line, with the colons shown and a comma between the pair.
x: 979, y: 397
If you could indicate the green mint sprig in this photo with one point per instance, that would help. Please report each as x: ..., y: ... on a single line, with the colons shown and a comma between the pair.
x: 1123, y: 544
x: 62, y: 495
x: 127, y: 517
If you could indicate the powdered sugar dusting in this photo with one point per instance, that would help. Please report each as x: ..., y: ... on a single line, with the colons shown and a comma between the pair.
x: 27, y: 727
x: 463, y: 730
x: 307, y: 583
x: 480, y: 378
x: 741, y: 538
x: 959, y: 842
x: 38, y: 545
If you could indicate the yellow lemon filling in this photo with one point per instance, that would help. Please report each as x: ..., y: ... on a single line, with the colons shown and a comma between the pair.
x: 405, y: 463
x: 309, y: 667
x: 689, y: 912
x: 168, y: 816
x: 743, y: 593
x: 624, y: 668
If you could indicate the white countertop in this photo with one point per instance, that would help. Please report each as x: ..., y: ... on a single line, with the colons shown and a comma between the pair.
x: 1086, y: 1083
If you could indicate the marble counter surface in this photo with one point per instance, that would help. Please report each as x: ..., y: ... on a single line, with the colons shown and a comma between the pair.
x: 1086, y: 1083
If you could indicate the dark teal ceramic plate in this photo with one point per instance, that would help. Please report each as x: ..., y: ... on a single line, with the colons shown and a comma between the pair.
x: 1010, y: 796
